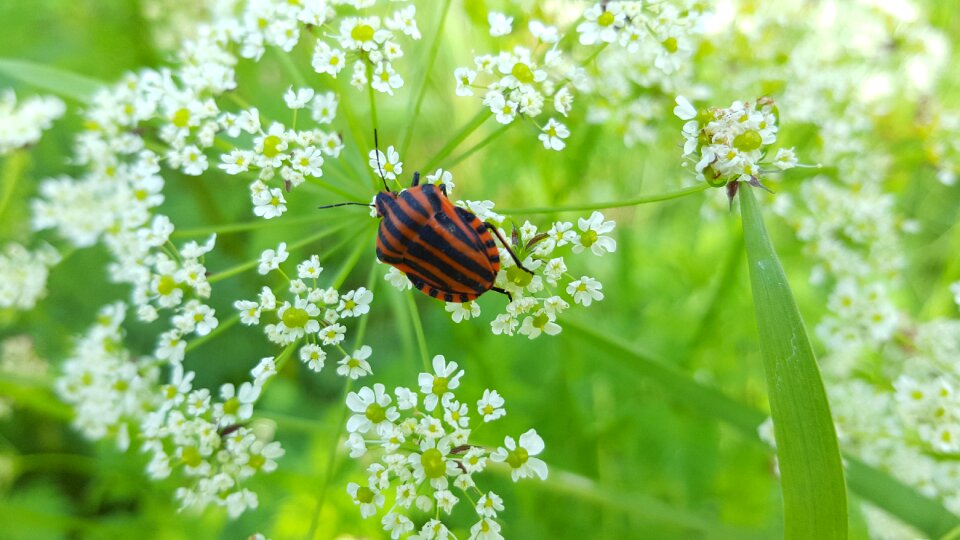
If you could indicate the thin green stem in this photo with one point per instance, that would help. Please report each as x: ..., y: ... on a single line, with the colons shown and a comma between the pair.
x: 613, y: 204
x: 243, y: 267
x: 422, y: 90
x: 418, y: 331
x: 221, y: 328
x: 291, y: 67
x: 464, y: 132
x: 331, y: 462
x: 13, y: 169
x: 351, y: 261
x: 371, y: 286
x: 245, y: 226
x: 473, y: 149
x: 346, y: 110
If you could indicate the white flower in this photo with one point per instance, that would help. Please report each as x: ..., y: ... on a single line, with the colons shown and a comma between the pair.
x: 270, y: 259
x: 462, y: 311
x: 324, y: 107
x: 585, y: 290
x: 489, y: 504
x: 312, y: 355
x: 398, y: 279
x: 367, y: 498
x: 437, y: 386
x: 592, y: 236
x: 546, y: 34
x: 464, y: 77
x: 328, y: 60
x: 388, y: 163
x: 602, y: 23
x: 271, y: 206
x: 355, y: 303
x: 386, y: 79
x: 500, y: 24
x: 355, y: 366
x: 333, y: 334
x: 298, y: 99
x: 684, y: 109
x: 553, y: 134
x: 491, y: 406
x: 521, y: 458
x: 371, y: 409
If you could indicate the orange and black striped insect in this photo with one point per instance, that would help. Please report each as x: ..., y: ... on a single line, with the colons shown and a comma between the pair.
x: 445, y: 250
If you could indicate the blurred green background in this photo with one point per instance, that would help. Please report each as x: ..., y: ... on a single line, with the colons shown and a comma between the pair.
x: 630, y: 456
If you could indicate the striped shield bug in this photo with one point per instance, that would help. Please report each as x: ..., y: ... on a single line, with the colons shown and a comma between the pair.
x: 446, y: 251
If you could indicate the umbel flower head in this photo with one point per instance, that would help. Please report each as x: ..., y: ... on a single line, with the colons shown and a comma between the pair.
x: 425, y: 460
x: 732, y: 144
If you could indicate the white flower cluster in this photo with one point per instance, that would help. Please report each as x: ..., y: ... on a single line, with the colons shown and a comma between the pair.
x: 521, y: 81
x: 23, y: 125
x: 182, y: 428
x: 730, y: 145
x: 627, y: 88
x: 296, y: 155
x: 658, y: 33
x: 23, y: 274
x: 943, y: 147
x: 109, y: 389
x: 18, y: 357
x: 313, y: 314
x: 927, y: 398
x: 373, y: 40
x: 209, y: 440
x: 427, y: 454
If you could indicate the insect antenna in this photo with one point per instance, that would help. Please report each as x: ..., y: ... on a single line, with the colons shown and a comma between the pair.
x: 344, y: 204
x: 376, y: 146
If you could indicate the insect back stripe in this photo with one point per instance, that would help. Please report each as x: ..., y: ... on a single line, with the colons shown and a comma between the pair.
x: 442, y: 247
x: 422, y: 272
x: 452, y: 222
x: 437, y: 273
x: 418, y: 201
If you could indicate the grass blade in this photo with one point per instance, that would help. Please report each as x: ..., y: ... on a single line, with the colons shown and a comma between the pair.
x: 814, y: 491
x: 64, y: 83
x: 927, y: 515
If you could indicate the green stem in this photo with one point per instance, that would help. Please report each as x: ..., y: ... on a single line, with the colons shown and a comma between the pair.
x: 351, y: 262
x: 258, y: 224
x: 464, y: 132
x: 291, y: 67
x: 613, y: 204
x: 243, y: 267
x: 221, y: 328
x: 331, y: 462
x: 13, y: 168
x: 418, y: 331
x: 422, y: 91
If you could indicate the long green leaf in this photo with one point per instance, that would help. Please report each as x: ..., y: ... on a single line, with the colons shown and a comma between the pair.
x: 880, y: 489
x: 814, y: 491
x: 64, y: 83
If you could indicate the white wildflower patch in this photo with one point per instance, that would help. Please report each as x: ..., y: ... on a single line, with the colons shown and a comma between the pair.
x: 23, y: 124
x: 311, y: 315
x: 425, y: 459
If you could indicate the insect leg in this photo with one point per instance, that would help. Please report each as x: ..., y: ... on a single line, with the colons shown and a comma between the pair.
x: 416, y: 179
x: 502, y: 291
x: 496, y: 231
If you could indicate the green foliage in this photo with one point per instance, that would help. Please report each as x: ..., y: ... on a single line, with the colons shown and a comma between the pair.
x: 814, y: 494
